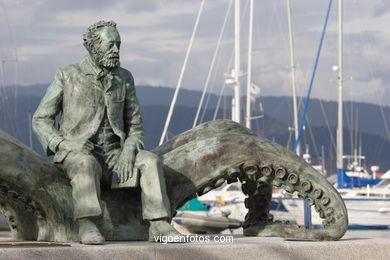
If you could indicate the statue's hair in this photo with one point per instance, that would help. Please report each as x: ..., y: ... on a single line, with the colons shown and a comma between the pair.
x: 92, y: 37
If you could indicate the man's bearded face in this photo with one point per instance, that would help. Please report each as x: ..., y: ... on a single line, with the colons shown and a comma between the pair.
x: 106, y: 54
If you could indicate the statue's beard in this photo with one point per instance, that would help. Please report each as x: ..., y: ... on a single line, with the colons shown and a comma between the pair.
x: 108, y: 61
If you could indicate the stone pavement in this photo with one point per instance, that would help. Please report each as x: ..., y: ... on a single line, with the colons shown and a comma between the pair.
x: 355, y: 245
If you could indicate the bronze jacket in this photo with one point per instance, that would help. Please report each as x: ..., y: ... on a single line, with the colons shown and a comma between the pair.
x: 79, y: 97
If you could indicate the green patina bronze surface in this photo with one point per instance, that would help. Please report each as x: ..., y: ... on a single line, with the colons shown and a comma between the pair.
x: 36, y: 196
x: 98, y: 142
x: 98, y: 149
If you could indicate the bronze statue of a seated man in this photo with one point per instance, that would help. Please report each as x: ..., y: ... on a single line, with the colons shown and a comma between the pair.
x: 100, y: 134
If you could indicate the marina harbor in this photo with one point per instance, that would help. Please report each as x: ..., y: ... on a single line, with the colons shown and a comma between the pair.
x: 198, y: 129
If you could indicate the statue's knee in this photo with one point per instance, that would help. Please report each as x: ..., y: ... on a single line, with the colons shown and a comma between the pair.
x: 147, y: 158
x: 85, y: 161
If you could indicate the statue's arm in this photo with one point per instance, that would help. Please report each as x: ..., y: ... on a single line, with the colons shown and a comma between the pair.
x: 134, y: 134
x: 132, y: 117
x: 43, y: 121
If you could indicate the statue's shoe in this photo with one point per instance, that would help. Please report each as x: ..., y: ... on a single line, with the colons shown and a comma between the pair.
x: 89, y: 234
x: 162, y: 232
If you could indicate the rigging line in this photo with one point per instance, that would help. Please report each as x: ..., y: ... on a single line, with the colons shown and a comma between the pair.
x: 219, y: 101
x: 222, y: 89
x: 218, y: 70
x: 285, y: 42
x: 325, y: 116
x: 360, y: 145
x: 231, y: 60
x: 3, y: 92
x: 317, y: 153
x: 352, y: 99
x: 351, y: 123
x: 289, y: 139
x: 300, y: 104
x: 313, y: 76
x: 384, y: 120
x: 212, y: 63
x: 332, y: 141
x: 257, y: 122
x: 348, y: 118
x: 229, y: 65
x: 382, y: 112
x: 369, y: 40
x: 12, y: 43
x: 224, y: 110
x: 210, y: 94
x: 356, y: 127
x: 16, y: 83
x: 381, y: 108
x: 170, y: 112
x: 276, y: 15
x: 6, y: 104
x: 205, y: 107
x: 376, y: 157
x: 207, y: 103
x: 8, y: 24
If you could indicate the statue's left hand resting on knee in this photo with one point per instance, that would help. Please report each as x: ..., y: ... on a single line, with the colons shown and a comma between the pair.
x: 124, y: 165
x: 100, y: 134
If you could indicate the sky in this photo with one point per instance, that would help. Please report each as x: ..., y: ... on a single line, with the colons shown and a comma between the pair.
x: 46, y: 35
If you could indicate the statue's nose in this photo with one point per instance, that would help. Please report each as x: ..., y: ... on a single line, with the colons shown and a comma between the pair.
x: 115, y: 49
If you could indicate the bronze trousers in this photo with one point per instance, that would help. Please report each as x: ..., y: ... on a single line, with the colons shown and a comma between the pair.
x: 86, y: 170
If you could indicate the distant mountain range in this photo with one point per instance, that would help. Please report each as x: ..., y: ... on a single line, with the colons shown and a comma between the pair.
x: 322, y: 118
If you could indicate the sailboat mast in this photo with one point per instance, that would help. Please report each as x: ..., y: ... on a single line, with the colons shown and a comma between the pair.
x: 236, y: 115
x: 249, y: 76
x: 340, y: 85
x: 183, y: 69
x: 293, y: 80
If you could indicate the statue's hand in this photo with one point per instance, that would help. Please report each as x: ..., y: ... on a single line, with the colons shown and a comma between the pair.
x: 124, y: 165
x: 76, y: 146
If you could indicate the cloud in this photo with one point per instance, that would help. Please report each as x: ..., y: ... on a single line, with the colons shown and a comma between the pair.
x: 156, y: 33
x: 382, y: 8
